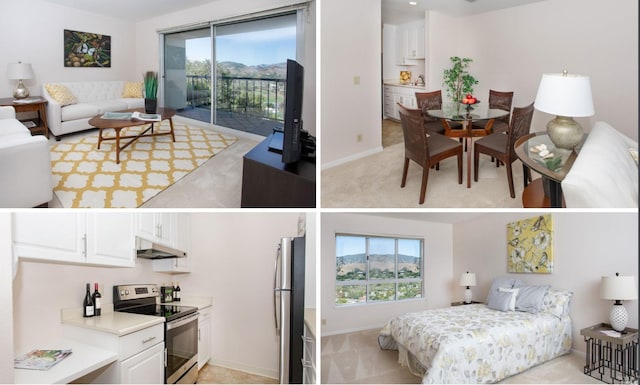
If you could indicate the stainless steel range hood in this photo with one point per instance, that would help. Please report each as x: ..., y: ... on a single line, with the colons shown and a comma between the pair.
x: 151, y: 250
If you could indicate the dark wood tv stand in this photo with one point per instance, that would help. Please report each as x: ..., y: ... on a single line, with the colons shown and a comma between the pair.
x: 267, y: 182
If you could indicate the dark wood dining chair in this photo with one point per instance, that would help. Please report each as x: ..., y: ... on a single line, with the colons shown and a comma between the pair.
x: 501, y: 101
x: 500, y: 146
x: 430, y: 101
x: 425, y: 148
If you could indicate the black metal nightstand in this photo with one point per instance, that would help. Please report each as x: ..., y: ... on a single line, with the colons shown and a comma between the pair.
x: 611, y: 358
x: 460, y: 303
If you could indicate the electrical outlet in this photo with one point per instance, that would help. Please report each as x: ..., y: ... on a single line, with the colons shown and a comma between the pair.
x: 324, y: 322
x: 359, y: 138
x: 356, y: 80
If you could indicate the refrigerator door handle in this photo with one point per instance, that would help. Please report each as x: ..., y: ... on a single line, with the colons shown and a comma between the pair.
x: 276, y: 290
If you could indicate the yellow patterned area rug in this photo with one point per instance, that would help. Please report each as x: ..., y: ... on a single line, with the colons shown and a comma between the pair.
x: 87, y: 177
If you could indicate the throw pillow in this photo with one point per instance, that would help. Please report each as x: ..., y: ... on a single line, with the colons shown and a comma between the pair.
x: 61, y: 94
x: 501, y: 301
x: 514, y: 295
x: 506, y: 282
x: 132, y: 90
x: 530, y: 298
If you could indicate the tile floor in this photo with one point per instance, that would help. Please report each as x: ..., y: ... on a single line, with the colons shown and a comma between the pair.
x: 211, y: 374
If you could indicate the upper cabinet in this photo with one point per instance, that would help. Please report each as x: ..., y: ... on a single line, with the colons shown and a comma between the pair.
x: 157, y: 227
x: 103, y: 239
x: 182, y: 237
x: 410, y: 43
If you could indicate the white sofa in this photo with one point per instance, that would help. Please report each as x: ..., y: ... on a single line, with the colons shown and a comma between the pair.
x: 93, y: 98
x: 25, y: 164
x: 604, y: 174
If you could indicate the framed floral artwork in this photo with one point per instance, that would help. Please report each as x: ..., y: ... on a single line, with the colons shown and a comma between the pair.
x: 530, y: 245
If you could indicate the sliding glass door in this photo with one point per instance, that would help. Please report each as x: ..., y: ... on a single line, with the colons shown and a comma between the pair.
x: 250, y: 57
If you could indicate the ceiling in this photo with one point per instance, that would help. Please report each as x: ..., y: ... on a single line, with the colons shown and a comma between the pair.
x: 132, y: 10
x: 400, y: 12
x: 439, y: 217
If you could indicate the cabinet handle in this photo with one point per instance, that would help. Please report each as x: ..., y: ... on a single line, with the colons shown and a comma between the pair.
x: 148, y: 340
x: 84, y: 242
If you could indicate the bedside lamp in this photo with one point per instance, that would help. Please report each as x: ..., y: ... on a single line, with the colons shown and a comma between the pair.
x: 566, y: 96
x: 20, y: 71
x: 618, y: 288
x: 467, y: 279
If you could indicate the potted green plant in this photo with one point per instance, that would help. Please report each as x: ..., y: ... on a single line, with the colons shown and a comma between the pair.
x: 457, y: 79
x: 150, y: 92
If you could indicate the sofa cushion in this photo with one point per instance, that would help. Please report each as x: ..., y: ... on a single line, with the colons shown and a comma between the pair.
x: 61, y: 94
x: 132, y: 90
x: 604, y: 173
x: 79, y: 111
x: 12, y: 127
x: 110, y: 105
x: 133, y: 102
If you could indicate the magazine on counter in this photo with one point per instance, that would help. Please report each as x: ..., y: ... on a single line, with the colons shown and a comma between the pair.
x: 40, y: 359
x: 132, y: 116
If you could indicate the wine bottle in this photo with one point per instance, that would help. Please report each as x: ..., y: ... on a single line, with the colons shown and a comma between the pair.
x: 87, y: 304
x: 176, y: 291
x: 97, y: 301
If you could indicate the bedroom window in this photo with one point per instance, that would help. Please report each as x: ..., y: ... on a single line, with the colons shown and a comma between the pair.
x: 375, y: 269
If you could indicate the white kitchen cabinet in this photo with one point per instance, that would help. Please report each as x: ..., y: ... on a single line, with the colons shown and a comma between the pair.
x: 410, y: 42
x: 183, y: 243
x: 399, y: 94
x: 157, y: 227
x: 204, y: 336
x: 104, y: 239
x: 146, y: 367
x: 309, y: 360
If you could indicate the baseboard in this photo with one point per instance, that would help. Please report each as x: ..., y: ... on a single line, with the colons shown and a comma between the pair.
x: 351, y: 158
x: 245, y: 368
x: 354, y: 330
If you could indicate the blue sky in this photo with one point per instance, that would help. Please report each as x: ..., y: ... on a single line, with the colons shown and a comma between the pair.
x: 347, y: 245
x: 250, y: 48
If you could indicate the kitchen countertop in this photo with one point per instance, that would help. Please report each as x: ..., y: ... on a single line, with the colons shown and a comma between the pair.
x: 117, y: 323
x: 199, y: 302
x: 397, y: 84
x: 83, y: 360
x: 310, y: 319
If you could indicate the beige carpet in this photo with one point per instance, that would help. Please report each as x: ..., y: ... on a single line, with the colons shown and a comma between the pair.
x: 374, y: 181
x: 356, y: 358
x: 87, y: 177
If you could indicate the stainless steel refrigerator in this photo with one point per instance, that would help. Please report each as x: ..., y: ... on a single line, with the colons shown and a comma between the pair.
x: 288, y: 302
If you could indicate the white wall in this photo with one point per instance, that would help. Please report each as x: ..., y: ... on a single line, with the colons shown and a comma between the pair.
x: 147, y: 39
x: 6, y: 301
x: 351, y: 46
x: 438, y: 270
x: 32, y: 32
x: 232, y: 260
x: 587, y: 246
x: 512, y: 48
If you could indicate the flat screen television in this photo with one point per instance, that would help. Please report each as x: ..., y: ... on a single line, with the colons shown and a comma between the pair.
x: 292, y: 132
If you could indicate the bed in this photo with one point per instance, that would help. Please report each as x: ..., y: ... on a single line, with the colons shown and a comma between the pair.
x: 477, y: 344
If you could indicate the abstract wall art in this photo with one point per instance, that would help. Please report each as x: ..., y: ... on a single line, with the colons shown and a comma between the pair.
x: 85, y: 49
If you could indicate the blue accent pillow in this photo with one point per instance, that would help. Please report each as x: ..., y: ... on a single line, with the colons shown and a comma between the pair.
x: 500, y: 300
x: 531, y: 298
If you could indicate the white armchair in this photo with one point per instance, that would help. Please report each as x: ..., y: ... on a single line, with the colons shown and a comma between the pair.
x: 25, y: 164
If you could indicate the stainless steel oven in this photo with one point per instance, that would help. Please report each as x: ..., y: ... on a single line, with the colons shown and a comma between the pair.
x: 180, y: 331
x: 181, y: 341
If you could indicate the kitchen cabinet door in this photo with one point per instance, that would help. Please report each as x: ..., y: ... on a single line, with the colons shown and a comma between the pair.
x: 183, y: 243
x: 157, y: 227
x: 204, y: 337
x: 110, y: 239
x: 45, y: 236
x: 146, y: 367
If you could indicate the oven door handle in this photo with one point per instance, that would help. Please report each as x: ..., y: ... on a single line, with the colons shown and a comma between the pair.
x: 182, y: 321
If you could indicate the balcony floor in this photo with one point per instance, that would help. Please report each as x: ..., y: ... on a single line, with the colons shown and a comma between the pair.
x: 242, y: 122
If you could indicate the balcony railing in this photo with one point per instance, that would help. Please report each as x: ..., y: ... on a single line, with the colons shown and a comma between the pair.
x: 260, y: 97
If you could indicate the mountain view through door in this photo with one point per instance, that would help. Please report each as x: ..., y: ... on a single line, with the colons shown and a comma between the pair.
x: 250, y: 73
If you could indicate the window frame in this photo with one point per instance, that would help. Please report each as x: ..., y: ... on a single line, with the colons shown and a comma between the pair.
x: 368, y: 282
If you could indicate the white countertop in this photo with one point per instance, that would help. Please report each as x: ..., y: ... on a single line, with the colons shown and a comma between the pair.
x: 117, y: 323
x: 83, y: 360
x: 199, y: 302
x: 397, y: 84
x: 310, y: 319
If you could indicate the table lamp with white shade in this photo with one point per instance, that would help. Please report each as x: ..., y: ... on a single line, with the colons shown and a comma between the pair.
x: 20, y: 71
x: 467, y: 279
x: 618, y: 288
x: 566, y: 96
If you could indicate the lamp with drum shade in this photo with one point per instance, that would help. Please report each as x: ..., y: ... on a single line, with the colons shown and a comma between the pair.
x: 467, y: 279
x: 618, y: 288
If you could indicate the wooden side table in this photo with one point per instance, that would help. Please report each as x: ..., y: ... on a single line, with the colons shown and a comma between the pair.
x: 611, y: 358
x: 32, y: 104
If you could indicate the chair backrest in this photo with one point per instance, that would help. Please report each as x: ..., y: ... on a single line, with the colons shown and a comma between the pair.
x: 520, y: 126
x: 429, y: 101
x: 501, y: 100
x: 415, y: 138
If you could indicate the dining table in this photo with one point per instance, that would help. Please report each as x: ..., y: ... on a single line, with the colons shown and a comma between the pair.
x: 465, y: 115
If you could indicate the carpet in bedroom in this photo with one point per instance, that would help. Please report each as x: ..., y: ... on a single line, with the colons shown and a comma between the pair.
x: 356, y: 358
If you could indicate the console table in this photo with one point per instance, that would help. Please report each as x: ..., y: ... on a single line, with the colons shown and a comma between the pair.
x: 611, y: 359
x: 267, y: 182
x: 31, y: 104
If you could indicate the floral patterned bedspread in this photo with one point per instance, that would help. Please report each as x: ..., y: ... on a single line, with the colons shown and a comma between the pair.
x: 475, y: 344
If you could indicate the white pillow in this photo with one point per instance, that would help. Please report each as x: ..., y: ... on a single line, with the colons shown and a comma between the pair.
x: 514, y: 295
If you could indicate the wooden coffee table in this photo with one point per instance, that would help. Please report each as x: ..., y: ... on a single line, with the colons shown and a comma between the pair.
x: 118, y: 125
